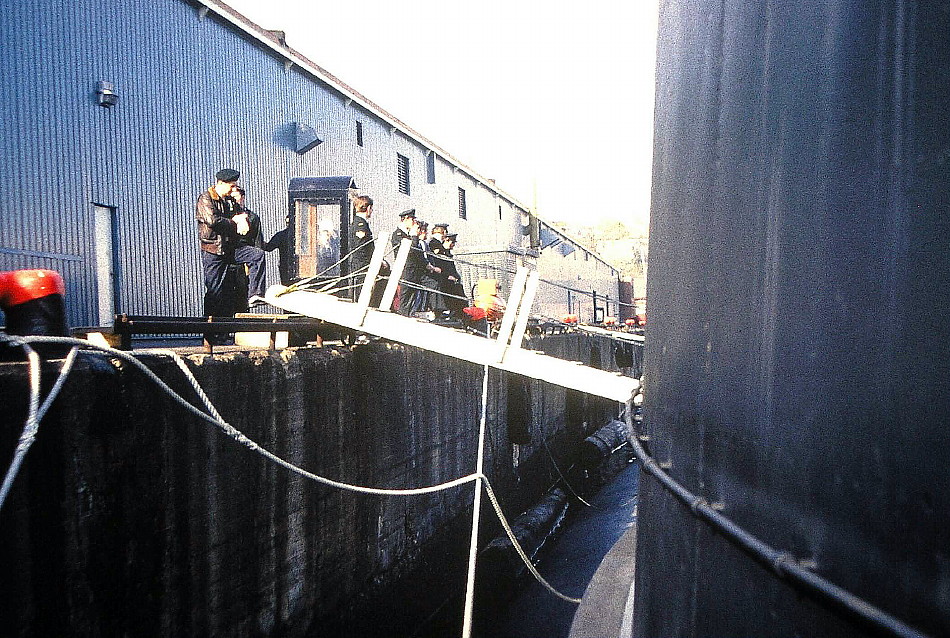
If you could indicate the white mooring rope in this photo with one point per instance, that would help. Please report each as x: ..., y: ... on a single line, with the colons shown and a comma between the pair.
x: 36, y: 414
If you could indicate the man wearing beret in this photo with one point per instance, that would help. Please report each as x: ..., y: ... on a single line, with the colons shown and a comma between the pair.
x: 221, y: 221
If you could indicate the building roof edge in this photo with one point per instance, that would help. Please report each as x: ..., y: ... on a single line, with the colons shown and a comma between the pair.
x: 273, y: 41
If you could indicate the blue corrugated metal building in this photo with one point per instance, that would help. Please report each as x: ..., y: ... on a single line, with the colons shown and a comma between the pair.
x: 105, y: 194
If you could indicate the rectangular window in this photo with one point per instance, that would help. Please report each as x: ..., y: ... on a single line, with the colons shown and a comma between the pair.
x: 317, y: 238
x: 430, y: 168
x: 303, y: 223
x: 499, y: 212
x: 463, y: 213
x: 328, y: 239
x: 359, y: 133
x: 402, y: 173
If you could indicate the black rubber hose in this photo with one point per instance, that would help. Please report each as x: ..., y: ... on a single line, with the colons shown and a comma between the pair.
x: 782, y: 564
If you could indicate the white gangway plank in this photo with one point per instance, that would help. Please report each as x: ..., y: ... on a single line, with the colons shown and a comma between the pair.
x: 457, y: 343
x: 505, y: 353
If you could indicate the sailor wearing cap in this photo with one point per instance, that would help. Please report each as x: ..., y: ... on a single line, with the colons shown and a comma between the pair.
x: 407, y: 220
x: 455, y: 298
x: 436, y: 255
x: 407, y: 297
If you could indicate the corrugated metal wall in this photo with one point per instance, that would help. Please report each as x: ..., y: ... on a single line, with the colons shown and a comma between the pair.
x: 574, y: 279
x: 43, y: 187
x: 195, y: 95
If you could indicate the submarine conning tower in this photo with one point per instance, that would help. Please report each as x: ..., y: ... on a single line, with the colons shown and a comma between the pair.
x: 797, y: 351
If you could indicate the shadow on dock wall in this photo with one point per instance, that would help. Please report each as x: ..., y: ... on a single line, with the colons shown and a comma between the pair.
x: 132, y: 517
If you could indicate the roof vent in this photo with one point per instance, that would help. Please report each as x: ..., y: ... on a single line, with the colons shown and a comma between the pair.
x: 305, y: 138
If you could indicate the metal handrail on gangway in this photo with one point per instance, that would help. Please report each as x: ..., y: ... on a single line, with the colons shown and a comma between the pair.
x: 503, y: 352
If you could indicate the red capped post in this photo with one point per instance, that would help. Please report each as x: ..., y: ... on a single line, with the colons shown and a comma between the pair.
x: 32, y: 301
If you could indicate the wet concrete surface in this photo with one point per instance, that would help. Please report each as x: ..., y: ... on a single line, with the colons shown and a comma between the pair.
x: 570, y: 563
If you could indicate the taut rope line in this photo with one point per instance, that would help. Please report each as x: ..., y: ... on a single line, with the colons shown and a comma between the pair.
x: 215, y: 419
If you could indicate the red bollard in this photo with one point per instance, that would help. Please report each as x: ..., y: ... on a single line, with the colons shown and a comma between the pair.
x: 32, y: 301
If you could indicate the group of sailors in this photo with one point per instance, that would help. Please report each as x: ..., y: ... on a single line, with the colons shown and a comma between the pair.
x: 431, y: 285
x: 229, y: 234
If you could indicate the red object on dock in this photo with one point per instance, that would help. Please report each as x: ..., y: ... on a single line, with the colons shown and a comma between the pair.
x: 20, y: 286
x: 32, y: 301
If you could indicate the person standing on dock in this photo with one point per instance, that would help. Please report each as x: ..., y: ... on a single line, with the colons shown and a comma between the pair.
x: 220, y: 223
x: 361, y: 247
x: 253, y: 235
x: 283, y: 243
x: 455, y: 297
x: 408, y: 228
x: 247, y: 250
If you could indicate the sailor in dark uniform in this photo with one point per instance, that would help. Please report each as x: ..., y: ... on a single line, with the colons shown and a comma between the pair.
x: 283, y: 243
x: 438, y: 237
x: 427, y: 296
x: 455, y: 298
x: 436, y: 255
x: 360, y: 243
x: 408, y: 297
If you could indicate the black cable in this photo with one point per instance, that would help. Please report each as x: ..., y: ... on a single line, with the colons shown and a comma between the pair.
x: 782, y: 565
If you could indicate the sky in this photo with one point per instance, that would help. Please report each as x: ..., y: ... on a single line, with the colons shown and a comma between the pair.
x: 552, y: 99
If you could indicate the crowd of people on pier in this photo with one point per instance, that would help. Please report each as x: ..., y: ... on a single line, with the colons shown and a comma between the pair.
x: 230, y: 234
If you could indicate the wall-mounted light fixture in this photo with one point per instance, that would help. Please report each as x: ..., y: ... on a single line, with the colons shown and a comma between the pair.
x: 105, y: 93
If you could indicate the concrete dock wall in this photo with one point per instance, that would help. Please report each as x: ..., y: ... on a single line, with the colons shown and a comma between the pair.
x: 132, y: 517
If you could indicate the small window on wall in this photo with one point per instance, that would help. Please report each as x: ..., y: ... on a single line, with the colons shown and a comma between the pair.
x: 463, y: 213
x: 402, y: 173
x: 499, y: 212
x: 359, y: 133
x: 430, y: 168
